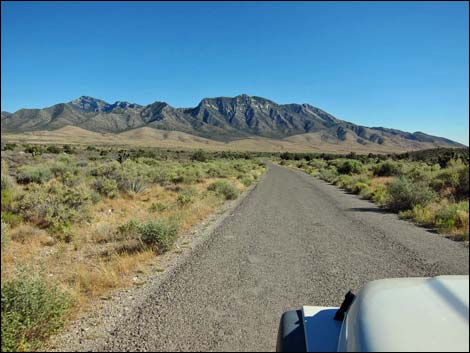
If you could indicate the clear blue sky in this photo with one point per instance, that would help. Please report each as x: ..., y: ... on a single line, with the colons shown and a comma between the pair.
x: 401, y: 65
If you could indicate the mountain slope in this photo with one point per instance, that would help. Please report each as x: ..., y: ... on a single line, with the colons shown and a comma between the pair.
x: 222, y: 119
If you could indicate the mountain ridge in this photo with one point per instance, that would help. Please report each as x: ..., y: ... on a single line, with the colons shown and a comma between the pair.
x: 219, y: 118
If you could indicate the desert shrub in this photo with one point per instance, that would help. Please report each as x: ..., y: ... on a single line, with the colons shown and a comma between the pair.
x: 108, y: 169
x: 129, y: 230
x: 33, y: 174
x: 9, y: 198
x: 103, y: 233
x: 160, y: 175
x: 25, y: 233
x: 200, y: 156
x: 225, y: 188
x: 317, y: 163
x: 359, y: 186
x: 55, y: 206
x: 423, y: 215
x: 35, y: 150
x: 216, y: 170
x: 131, y: 176
x: 32, y: 310
x: 4, y: 167
x: 63, y: 232
x: 71, y: 179
x: 462, y: 189
x: 453, y: 181
x: 330, y: 174
x: 247, y: 181
x: 404, y: 194
x: 53, y: 149
x: 9, y: 146
x: 186, y: 196
x: 454, y: 216
x: 161, y: 234
x: 5, y: 233
x: 387, y: 168
x: 420, y: 172
x: 343, y: 181
x: 68, y: 149
x: 351, y: 166
x: 188, y: 175
x: 12, y: 219
x: 106, y: 187
x: 366, y: 191
x: 379, y: 195
x: 354, y: 183
x: 158, y: 207
x: 59, y: 169
x: 7, y: 181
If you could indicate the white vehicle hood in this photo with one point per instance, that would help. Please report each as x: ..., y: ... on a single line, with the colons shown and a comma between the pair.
x: 409, y: 314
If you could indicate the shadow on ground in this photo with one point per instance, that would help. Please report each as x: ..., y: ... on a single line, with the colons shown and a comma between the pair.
x: 371, y: 209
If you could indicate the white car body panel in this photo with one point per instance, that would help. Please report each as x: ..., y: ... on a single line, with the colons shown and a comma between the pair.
x: 403, y: 314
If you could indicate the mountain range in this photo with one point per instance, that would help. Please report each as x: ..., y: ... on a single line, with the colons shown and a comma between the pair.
x: 221, y: 119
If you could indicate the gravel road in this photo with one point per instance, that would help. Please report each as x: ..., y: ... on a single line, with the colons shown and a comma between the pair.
x: 293, y: 240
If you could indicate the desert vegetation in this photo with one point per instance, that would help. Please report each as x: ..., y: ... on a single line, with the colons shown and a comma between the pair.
x: 428, y: 187
x: 77, y: 222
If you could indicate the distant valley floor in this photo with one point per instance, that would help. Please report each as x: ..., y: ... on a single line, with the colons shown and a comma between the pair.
x: 149, y: 137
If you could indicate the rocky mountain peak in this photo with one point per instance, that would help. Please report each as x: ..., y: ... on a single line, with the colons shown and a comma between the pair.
x: 89, y: 104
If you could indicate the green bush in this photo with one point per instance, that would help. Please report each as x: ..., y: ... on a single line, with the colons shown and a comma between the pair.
x: 54, y: 149
x: 12, y: 219
x: 247, y: 181
x: 31, y: 311
x: 35, y: 150
x: 5, y: 232
x: 157, y: 207
x: 454, y: 215
x: 462, y: 190
x: 359, y: 186
x: 159, y: 233
x: 351, y: 166
x: 9, y: 197
x: 387, y: 168
x: 9, y: 147
x: 33, y: 174
x: 453, y: 181
x: 106, y: 187
x: 61, y: 168
x: 129, y: 230
x: 330, y: 174
x: 7, y: 182
x: 380, y: 195
x: 343, y: 181
x: 186, y: 196
x: 317, y: 163
x: 200, y: 156
x: 404, y: 194
x: 225, y: 188
x: 423, y: 215
x: 69, y: 149
x: 419, y: 172
x: 55, y: 206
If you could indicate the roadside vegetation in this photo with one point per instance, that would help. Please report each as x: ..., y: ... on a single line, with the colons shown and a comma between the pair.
x: 77, y: 222
x: 429, y: 187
